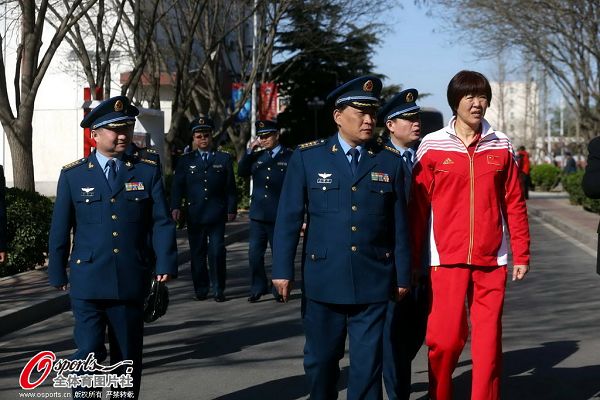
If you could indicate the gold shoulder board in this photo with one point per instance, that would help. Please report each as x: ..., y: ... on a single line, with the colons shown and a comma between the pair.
x: 74, y: 164
x: 393, y: 150
x: 314, y: 143
x: 145, y: 160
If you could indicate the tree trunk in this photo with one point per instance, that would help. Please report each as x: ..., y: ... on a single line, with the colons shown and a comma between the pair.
x: 19, y: 137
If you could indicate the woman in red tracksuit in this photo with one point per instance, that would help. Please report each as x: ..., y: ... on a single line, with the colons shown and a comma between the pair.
x: 467, y: 199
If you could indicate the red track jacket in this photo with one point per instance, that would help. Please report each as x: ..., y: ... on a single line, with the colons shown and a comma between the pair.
x: 468, y: 205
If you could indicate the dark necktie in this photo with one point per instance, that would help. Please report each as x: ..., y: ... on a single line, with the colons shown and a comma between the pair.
x: 112, y: 174
x: 205, y: 157
x: 408, y: 159
x: 271, y: 153
x: 354, y: 162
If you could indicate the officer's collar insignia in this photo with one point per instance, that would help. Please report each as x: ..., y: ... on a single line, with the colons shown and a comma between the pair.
x: 131, y: 186
x: 128, y: 164
x: 118, y: 106
x: 368, y: 86
x: 448, y: 161
x: 324, y: 177
x: 370, y: 152
x: 334, y: 148
x: 87, y: 191
x: 380, y: 177
x: 409, y: 97
x: 90, y: 165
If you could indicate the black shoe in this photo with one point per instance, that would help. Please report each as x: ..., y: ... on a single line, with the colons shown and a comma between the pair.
x: 279, y: 298
x: 200, y: 297
x: 220, y: 298
x: 254, y: 298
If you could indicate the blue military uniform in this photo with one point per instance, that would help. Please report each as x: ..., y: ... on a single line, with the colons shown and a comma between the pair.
x: 208, y: 187
x: 406, y: 319
x: 356, y: 248
x: 110, y: 222
x: 267, y: 168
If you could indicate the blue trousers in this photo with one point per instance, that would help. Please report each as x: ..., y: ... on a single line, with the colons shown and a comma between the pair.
x: 403, y: 336
x: 326, y: 326
x: 261, y: 234
x: 208, y: 240
x: 124, y: 318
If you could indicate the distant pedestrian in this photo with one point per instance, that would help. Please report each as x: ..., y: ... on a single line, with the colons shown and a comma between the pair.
x: 570, y: 164
x: 3, y: 221
x: 351, y: 190
x: 406, y: 319
x: 110, y: 201
x: 591, y: 180
x: 524, y: 170
x: 204, y: 178
x: 266, y: 161
x: 466, y: 198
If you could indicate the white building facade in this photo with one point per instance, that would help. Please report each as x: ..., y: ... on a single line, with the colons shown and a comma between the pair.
x: 515, y: 110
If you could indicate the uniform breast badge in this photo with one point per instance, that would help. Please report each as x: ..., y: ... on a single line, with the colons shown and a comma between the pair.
x: 380, y: 177
x: 324, y: 178
x: 133, y: 186
x: 87, y: 191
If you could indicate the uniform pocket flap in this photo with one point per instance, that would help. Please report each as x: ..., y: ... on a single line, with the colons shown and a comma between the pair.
x: 325, y: 184
x: 381, y: 187
x: 79, y: 256
x: 136, y: 196
x: 383, y: 253
x: 88, y: 197
x: 317, y: 254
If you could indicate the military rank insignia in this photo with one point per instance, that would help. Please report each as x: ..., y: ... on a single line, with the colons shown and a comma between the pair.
x: 133, y: 186
x: 380, y: 177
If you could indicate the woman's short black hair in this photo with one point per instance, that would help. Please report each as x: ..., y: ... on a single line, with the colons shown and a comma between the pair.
x: 467, y: 83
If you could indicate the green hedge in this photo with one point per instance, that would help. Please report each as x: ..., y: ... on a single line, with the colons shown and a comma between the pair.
x: 545, y: 176
x: 243, y: 189
x: 572, y: 184
x: 29, y: 215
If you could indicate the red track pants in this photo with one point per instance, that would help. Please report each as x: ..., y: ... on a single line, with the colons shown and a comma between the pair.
x: 448, y: 329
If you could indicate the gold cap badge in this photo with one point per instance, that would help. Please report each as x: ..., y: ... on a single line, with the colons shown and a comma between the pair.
x: 261, y: 125
x: 368, y: 86
x: 410, y: 98
x: 201, y: 121
x: 118, y: 105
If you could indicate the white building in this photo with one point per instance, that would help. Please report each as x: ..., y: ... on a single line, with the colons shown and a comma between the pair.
x: 514, y: 110
x: 57, y: 136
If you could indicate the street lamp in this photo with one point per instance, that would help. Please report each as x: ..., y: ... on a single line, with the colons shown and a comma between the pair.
x: 315, y: 104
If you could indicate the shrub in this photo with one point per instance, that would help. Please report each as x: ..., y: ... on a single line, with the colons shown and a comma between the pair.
x: 243, y: 189
x: 29, y: 215
x: 572, y: 184
x: 545, y: 176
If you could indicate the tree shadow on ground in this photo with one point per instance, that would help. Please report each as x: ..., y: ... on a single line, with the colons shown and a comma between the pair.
x: 288, y: 388
x: 531, y: 374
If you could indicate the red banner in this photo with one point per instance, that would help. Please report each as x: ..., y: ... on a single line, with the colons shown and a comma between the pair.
x: 88, y: 142
x: 268, y: 101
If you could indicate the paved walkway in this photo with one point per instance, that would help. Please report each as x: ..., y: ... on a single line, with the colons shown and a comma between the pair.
x: 555, y: 209
x: 26, y: 298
